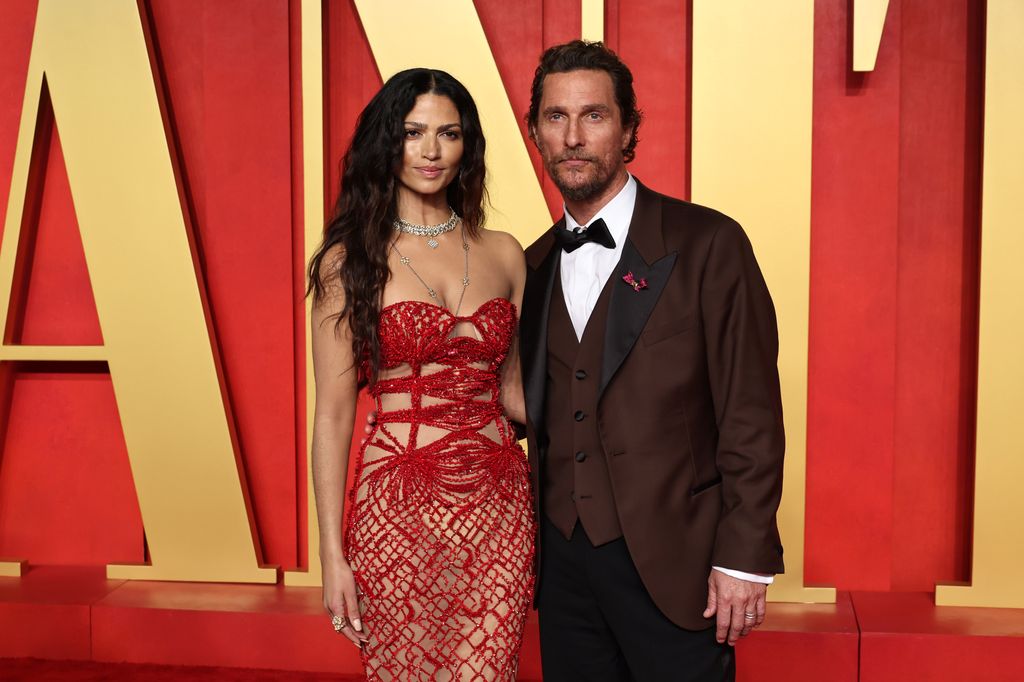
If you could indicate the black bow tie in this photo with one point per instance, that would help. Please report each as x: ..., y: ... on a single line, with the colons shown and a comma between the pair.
x: 596, y: 232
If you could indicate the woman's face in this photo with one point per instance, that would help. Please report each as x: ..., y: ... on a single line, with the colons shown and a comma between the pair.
x: 432, y: 145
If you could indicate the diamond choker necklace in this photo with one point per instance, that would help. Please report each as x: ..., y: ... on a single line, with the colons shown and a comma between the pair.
x: 429, y: 231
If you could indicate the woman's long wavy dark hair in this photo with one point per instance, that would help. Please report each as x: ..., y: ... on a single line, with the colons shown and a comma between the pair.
x: 360, y: 231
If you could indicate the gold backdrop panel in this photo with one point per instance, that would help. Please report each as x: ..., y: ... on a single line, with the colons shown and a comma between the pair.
x: 755, y: 58
x: 11, y: 569
x: 868, y: 22
x: 592, y: 19
x: 93, y: 57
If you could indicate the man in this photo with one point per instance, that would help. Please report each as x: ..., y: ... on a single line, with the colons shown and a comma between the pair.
x: 649, y: 348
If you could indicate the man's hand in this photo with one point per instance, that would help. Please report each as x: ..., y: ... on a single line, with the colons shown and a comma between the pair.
x: 734, y: 601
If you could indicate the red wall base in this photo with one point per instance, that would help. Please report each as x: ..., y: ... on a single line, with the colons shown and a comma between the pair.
x: 76, y: 613
x: 904, y: 636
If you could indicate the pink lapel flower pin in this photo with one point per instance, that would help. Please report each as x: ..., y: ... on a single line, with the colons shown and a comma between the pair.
x: 632, y: 281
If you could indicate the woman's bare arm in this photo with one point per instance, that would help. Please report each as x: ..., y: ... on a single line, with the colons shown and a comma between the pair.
x: 511, y: 375
x: 334, y: 413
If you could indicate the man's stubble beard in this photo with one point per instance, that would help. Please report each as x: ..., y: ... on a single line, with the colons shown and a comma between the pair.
x: 599, y: 181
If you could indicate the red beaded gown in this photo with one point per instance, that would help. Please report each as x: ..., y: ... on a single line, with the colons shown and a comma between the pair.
x: 440, y: 531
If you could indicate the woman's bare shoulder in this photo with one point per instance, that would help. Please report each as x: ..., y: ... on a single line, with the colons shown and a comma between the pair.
x: 503, y: 245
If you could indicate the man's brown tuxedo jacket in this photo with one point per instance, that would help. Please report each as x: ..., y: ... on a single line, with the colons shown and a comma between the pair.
x: 689, y: 410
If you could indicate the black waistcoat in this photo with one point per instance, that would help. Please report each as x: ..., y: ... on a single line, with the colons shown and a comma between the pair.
x: 576, y: 483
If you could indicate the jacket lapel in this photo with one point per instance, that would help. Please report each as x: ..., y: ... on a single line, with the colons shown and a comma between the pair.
x: 533, y: 326
x: 644, y: 256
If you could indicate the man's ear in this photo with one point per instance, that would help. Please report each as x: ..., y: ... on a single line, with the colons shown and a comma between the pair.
x: 531, y: 130
x: 627, y: 135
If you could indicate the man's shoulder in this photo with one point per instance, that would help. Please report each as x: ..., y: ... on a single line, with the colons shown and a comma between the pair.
x: 701, y: 230
x: 679, y: 213
x: 540, y: 248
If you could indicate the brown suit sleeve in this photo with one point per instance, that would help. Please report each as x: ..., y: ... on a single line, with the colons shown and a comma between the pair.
x: 742, y: 352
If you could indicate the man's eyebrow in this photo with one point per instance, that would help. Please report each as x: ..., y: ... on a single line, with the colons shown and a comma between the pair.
x: 586, y: 107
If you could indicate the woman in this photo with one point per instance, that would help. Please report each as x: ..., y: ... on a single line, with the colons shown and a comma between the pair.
x: 414, y: 298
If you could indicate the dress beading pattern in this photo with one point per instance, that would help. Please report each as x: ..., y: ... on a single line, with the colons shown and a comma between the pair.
x: 440, y: 530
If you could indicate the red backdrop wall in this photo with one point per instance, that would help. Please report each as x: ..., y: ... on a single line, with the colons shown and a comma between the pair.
x: 894, y: 268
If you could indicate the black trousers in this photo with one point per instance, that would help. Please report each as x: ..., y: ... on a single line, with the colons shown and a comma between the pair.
x: 599, y: 624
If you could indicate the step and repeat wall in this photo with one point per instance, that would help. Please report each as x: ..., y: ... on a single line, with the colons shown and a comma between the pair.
x: 166, y: 167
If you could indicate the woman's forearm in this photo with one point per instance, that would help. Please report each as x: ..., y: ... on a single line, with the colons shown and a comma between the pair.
x: 332, y: 437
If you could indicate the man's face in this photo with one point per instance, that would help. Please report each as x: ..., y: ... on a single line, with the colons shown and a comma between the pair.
x: 580, y: 133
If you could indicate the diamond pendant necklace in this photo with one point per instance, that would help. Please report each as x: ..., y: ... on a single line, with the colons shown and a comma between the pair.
x: 433, y: 294
x: 429, y: 231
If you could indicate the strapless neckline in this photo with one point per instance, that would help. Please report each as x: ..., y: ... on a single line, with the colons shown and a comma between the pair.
x: 429, y: 304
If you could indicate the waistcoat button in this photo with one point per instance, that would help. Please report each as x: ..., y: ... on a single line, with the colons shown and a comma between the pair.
x: 580, y: 456
x: 579, y: 415
x: 581, y: 374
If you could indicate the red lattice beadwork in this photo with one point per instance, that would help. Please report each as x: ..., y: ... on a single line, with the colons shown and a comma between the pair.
x: 441, y: 529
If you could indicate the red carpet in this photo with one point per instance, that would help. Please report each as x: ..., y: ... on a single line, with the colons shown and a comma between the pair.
x: 36, y: 669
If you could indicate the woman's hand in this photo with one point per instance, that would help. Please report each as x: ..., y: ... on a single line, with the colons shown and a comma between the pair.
x: 340, y: 597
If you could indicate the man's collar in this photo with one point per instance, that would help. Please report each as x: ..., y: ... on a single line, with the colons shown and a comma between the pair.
x: 616, y: 213
x: 646, y: 212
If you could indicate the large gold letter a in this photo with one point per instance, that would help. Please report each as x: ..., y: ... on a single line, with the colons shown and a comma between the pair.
x: 93, y: 57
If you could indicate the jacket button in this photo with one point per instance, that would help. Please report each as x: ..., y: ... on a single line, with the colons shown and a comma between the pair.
x: 580, y: 456
x: 581, y: 374
x: 579, y: 415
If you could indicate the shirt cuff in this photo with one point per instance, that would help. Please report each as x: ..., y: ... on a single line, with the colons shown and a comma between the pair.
x: 749, y: 577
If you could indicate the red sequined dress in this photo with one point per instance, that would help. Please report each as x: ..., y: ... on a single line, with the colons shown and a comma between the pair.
x: 440, y: 531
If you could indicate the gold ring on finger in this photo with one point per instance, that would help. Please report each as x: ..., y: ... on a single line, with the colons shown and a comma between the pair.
x: 338, y: 622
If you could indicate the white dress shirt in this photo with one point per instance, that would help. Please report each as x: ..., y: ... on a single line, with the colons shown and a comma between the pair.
x: 585, y: 271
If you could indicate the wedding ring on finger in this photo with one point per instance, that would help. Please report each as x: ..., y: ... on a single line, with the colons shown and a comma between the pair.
x: 748, y: 616
x: 338, y: 622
